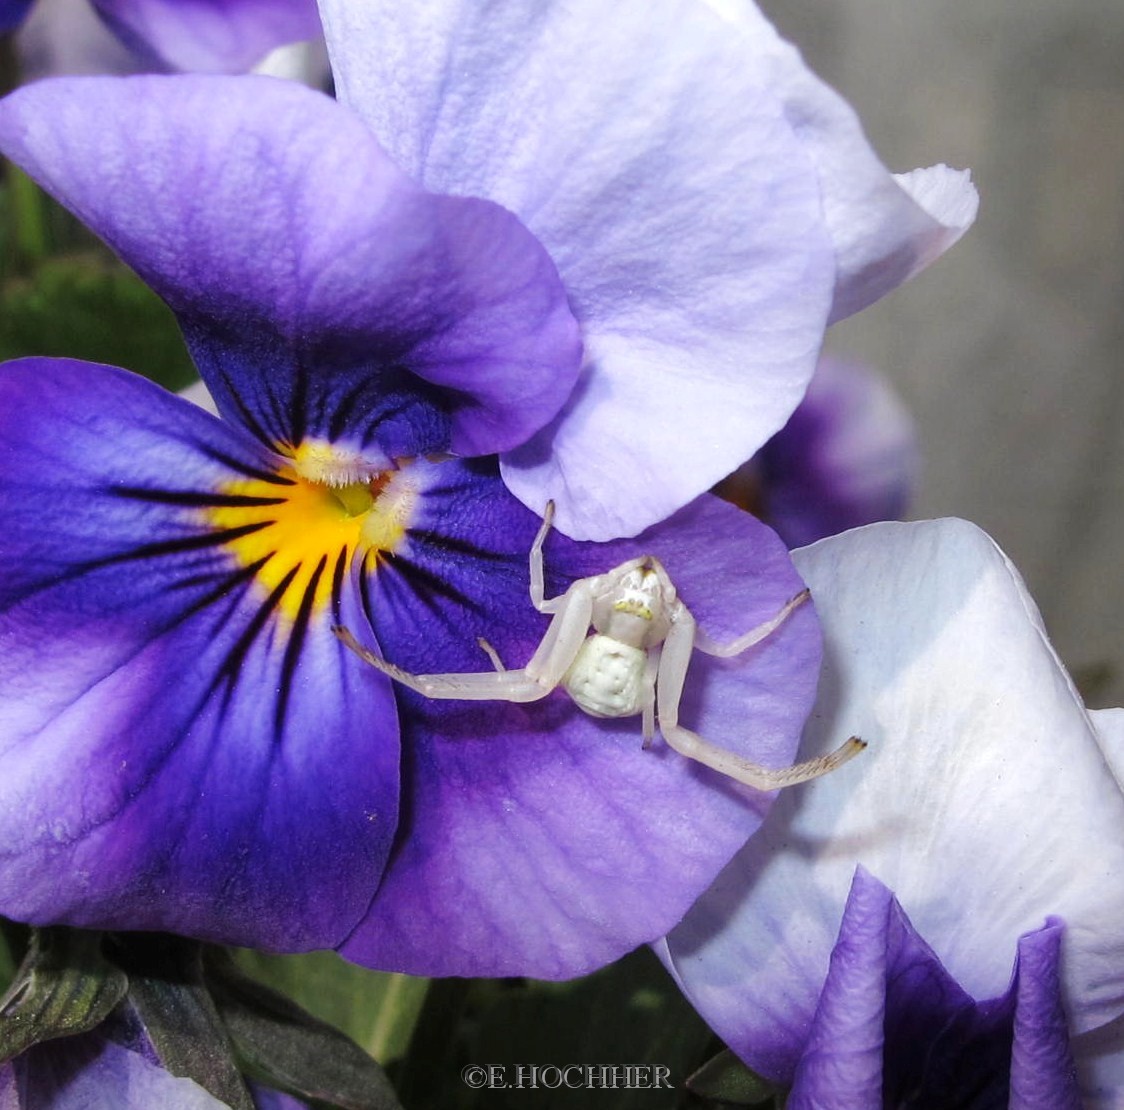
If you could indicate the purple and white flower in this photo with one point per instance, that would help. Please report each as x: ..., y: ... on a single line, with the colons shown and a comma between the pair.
x: 984, y: 820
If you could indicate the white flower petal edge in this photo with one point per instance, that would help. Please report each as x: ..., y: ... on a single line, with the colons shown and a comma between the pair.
x: 885, y: 227
x: 983, y: 800
x: 1100, y: 1053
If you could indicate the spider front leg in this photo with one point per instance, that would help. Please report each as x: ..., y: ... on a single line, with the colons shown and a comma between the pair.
x: 754, y: 636
x: 556, y: 651
x: 538, y: 577
x: 674, y: 661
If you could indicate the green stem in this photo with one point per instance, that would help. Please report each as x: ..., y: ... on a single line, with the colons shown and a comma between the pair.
x: 27, y: 216
x: 399, y: 1010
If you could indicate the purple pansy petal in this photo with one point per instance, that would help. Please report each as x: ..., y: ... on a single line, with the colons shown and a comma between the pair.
x: 210, y: 36
x: 267, y: 1099
x: 885, y: 227
x: 322, y: 294
x: 1043, y: 1074
x: 983, y: 796
x: 892, y: 1027
x: 536, y: 839
x: 650, y: 156
x: 12, y: 13
x: 847, y: 457
x: 183, y: 746
x: 91, y: 1072
x: 842, y: 1064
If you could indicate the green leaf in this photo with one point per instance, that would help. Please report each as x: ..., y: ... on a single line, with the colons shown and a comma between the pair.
x: 64, y: 986
x: 378, y: 1010
x: 90, y: 306
x: 167, y: 990
x: 725, y: 1079
x: 285, y: 1047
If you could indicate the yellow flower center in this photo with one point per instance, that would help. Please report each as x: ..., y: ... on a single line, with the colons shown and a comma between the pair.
x: 300, y: 535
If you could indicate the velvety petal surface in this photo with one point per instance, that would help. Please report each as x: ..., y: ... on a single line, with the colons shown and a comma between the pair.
x: 210, y: 36
x: 182, y: 747
x: 847, y: 457
x: 983, y: 801
x: 537, y: 840
x: 324, y: 296
x: 647, y: 150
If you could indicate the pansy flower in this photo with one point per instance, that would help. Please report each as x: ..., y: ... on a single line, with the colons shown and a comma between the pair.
x: 847, y: 457
x: 206, y: 36
x: 187, y: 746
x: 984, y: 823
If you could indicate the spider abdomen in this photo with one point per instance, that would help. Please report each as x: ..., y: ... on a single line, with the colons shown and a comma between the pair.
x: 606, y: 678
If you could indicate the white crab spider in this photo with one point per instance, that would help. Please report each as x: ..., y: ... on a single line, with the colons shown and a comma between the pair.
x: 635, y: 662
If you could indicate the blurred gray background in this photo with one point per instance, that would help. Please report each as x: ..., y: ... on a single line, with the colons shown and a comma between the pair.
x: 1010, y: 350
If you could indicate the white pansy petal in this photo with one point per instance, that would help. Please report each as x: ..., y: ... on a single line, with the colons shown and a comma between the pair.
x: 649, y: 154
x: 1099, y: 1056
x: 983, y: 801
x: 1109, y: 724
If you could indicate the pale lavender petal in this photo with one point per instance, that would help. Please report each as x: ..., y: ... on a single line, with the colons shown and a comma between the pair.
x: 982, y: 798
x: 210, y: 36
x: 885, y: 228
x: 649, y: 153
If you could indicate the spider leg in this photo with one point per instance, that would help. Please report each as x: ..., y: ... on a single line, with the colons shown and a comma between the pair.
x: 563, y: 639
x: 674, y: 660
x: 538, y: 578
x: 515, y: 686
x: 491, y: 653
x: 648, y: 708
x: 754, y: 636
